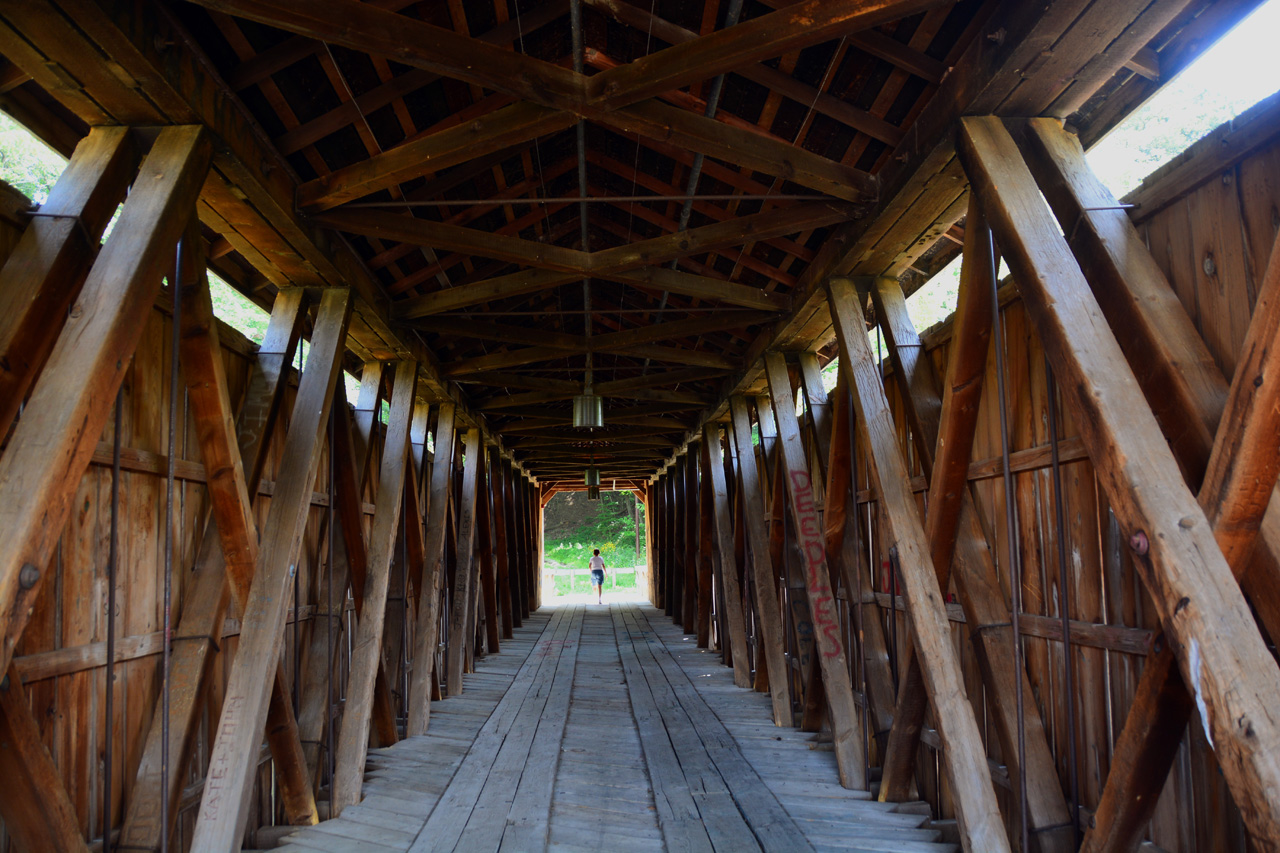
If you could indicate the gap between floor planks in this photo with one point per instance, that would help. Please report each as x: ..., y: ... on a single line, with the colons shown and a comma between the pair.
x: 605, y: 728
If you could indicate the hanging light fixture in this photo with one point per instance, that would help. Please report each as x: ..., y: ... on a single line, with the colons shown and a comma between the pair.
x: 591, y: 477
x: 588, y: 409
x: 593, y: 493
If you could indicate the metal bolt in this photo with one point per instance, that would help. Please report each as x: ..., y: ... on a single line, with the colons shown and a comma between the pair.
x: 997, y: 36
x: 1209, y: 266
x: 29, y: 576
x: 1138, y: 543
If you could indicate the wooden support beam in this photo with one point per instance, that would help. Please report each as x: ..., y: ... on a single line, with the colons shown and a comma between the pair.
x: 840, y: 518
x: 847, y: 736
x: 415, y: 499
x: 726, y: 555
x: 44, y: 272
x: 409, y: 41
x: 366, y: 650
x: 464, y: 577
x: 224, y: 804
x: 1206, y: 620
x: 486, y: 495
x: 433, y: 153
x: 68, y: 407
x: 774, y: 34
x: 818, y: 406
x: 977, y: 812
x: 706, y: 542
x: 406, y: 228
x: 428, y: 625
x: 958, y: 544
x: 690, y: 541
x: 767, y: 76
x: 657, y: 278
x: 205, y: 602
x: 38, y: 814
x: 236, y: 529
x: 1237, y: 490
x: 403, y: 228
x: 769, y: 627
x: 480, y: 292
x: 1178, y: 375
x: 354, y: 435
x: 675, y: 125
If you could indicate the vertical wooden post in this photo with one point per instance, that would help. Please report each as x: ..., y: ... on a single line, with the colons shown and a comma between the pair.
x: 69, y: 405
x: 818, y: 405
x: 427, y: 629
x: 354, y: 450
x: 770, y: 622
x: 737, y: 639
x: 459, y: 633
x: 205, y: 602
x: 650, y: 543
x: 489, y: 522
x: 953, y: 528
x: 841, y: 521
x: 966, y: 760
x: 674, y: 574
x: 224, y: 805
x: 1206, y: 620
x: 501, y: 526
x: 690, y: 543
x: 366, y: 651
x: 706, y: 542
x: 846, y: 730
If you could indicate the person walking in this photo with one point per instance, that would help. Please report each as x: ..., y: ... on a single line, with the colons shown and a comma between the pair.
x: 597, y: 575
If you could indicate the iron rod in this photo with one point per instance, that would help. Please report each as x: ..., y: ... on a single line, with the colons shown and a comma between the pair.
x: 1064, y: 604
x: 112, y: 553
x: 174, y: 344
x: 1011, y: 525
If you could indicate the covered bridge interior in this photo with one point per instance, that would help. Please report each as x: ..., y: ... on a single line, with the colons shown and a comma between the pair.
x: 1011, y: 584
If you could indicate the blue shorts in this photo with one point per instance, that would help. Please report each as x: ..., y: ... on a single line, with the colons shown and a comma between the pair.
x: 597, y: 577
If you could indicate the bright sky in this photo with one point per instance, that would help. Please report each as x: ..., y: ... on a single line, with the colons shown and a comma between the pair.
x: 1229, y: 78
x: 1233, y: 75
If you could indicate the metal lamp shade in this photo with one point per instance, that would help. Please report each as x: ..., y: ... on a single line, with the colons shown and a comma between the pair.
x: 591, y: 477
x: 588, y: 411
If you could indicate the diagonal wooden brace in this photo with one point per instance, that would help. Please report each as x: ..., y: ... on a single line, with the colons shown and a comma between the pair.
x: 1207, y: 622
x: 981, y: 825
x: 230, y: 781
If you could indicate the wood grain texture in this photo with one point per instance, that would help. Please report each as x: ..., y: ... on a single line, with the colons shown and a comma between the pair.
x: 980, y: 823
x: 223, y: 806
x: 1205, y: 616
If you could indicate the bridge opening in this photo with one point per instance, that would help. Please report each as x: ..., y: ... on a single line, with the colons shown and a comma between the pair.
x: 575, y: 526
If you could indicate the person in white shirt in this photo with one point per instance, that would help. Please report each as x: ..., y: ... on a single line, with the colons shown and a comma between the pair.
x: 597, y: 575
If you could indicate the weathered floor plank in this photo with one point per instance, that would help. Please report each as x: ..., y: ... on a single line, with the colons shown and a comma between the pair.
x: 606, y: 728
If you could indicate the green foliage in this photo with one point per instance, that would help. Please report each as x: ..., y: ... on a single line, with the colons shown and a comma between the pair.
x: 27, y: 164
x: 576, y: 526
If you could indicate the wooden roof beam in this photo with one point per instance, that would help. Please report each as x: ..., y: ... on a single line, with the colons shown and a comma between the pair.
x: 667, y: 247
x: 767, y: 36
x: 610, y: 341
x: 771, y: 78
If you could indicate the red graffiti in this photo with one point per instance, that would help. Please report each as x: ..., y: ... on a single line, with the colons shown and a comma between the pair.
x: 815, y: 557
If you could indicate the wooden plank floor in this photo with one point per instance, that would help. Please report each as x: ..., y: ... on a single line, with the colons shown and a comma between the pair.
x: 605, y: 728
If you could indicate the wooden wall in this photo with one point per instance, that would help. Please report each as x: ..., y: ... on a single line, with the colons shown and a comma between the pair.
x: 1210, y: 219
